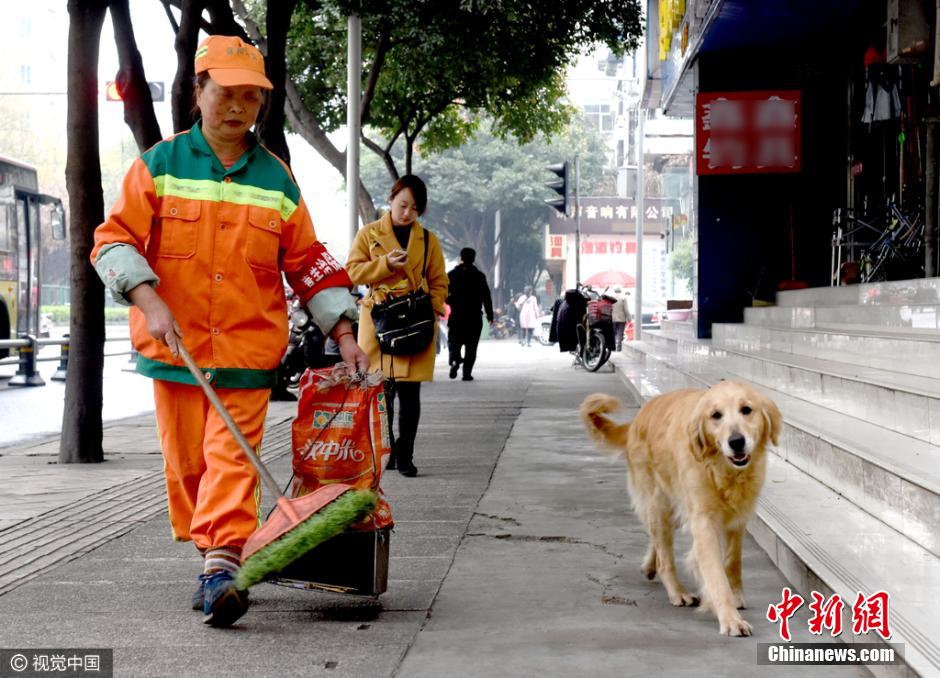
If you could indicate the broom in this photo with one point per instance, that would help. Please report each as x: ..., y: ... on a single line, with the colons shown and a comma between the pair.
x: 296, y: 525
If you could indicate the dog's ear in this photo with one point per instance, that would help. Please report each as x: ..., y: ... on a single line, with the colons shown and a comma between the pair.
x: 697, y: 437
x: 773, y: 420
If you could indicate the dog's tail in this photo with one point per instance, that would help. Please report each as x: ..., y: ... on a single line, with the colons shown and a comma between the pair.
x: 600, y: 427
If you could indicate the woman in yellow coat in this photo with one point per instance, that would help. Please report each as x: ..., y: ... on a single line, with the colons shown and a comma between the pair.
x: 388, y: 255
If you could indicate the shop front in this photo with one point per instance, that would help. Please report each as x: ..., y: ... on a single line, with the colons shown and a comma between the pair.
x: 816, y: 170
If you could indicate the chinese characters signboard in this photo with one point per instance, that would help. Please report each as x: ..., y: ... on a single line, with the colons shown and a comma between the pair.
x: 747, y: 132
x: 615, y: 215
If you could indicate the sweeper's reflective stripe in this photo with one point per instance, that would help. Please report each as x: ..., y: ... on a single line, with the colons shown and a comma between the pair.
x: 217, y: 191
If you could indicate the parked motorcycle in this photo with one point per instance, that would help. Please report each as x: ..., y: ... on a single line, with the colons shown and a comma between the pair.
x: 596, y: 330
x: 503, y: 327
x: 306, y: 347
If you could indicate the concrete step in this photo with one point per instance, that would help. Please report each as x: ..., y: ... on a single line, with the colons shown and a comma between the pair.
x: 919, y: 291
x: 819, y: 540
x: 905, y: 403
x: 678, y: 328
x: 892, y: 476
x: 896, y: 352
x: 919, y: 319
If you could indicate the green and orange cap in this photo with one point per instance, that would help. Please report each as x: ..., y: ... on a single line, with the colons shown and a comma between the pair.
x: 231, y: 62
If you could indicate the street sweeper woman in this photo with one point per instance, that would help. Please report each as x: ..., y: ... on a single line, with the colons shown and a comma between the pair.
x: 206, y: 223
x: 396, y: 256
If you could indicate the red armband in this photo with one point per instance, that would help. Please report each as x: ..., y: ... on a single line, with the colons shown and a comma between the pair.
x: 318, y: 271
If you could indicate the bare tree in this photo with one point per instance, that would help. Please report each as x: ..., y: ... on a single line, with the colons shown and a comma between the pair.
x: 81, y: 418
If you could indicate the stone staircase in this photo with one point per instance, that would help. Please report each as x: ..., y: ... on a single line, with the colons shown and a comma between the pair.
x: 852, y: 499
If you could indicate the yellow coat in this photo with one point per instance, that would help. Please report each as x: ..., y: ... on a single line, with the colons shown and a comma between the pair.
x: 368, y: 265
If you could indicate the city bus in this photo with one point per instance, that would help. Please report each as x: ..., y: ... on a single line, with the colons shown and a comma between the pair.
x: 27, y: 217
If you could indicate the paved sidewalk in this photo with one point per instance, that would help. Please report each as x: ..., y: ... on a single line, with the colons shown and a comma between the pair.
x: 514, y: 554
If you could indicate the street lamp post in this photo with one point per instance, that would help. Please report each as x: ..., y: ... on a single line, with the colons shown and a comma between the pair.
x: 577, y: 214
x: 353, y: 95
x: 640, y: 217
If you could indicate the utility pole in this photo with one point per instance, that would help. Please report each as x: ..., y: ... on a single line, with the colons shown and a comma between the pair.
x: 353, y: 96
x: 577, y: 213
x: 497, y: 257
x: 640, y: 218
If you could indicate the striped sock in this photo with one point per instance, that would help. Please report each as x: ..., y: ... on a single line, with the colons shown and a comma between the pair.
x: 221, y: 559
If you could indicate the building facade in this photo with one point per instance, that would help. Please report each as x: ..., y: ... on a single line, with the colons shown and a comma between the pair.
x: 858, y: 79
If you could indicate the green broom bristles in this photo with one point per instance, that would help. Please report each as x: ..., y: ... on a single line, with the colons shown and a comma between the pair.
x: 328, y: 522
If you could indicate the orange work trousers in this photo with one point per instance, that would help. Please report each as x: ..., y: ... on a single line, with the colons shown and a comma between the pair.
x: 214, y: 493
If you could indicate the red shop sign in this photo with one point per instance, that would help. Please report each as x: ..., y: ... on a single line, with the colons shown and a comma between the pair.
x: 747, y: 132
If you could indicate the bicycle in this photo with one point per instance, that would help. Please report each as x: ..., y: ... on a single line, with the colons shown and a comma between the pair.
x: 899, y: 242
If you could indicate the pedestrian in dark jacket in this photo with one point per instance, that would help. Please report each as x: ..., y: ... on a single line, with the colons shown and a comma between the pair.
x: 468, y: 292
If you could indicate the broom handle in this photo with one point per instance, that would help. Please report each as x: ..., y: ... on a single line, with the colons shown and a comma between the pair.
x: 213, y: 397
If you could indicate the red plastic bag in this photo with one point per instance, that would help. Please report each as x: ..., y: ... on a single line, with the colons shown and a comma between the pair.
x: 340, y: 435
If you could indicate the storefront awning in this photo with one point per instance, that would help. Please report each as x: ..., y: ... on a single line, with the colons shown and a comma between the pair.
x: 729, y: 25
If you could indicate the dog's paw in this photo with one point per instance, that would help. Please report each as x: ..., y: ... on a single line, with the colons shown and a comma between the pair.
x: 648, y: 568
x: 684, y: 599
x: 735, y: 627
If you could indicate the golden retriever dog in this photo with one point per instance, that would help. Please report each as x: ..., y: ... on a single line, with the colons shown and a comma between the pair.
x: 697, y: 458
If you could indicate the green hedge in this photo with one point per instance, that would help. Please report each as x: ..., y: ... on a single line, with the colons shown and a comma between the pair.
x: 112, y: 315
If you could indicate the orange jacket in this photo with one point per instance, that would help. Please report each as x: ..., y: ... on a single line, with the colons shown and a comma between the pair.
x: 218, y: 240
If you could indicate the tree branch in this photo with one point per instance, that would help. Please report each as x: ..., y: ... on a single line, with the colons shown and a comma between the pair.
x: 271, y: 129
x: 302, y: 120
x: 203, y: 24
x: 253, y: 30
x: 132, y: 81
x: 187, y: 38
x: 223, y: 21
x: 169, y: 15
x: 384, y: 154
x: 381, y: 49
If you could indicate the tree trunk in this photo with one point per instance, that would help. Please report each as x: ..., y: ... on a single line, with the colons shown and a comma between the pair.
x: 186, y: 42
x: 223, y: 20
x: 409, y: 152
x: 81, y: 418
x: 132, y: 81
x: 301, y: 120
x: 271, y: 129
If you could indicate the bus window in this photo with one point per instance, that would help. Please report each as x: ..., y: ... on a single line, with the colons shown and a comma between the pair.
x: 6, y: 238
x: 58, y: 222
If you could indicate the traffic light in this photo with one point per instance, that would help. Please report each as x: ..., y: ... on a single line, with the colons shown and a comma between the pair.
x: 156, y: 90
x: 112, y: 91
x: 560, y: 186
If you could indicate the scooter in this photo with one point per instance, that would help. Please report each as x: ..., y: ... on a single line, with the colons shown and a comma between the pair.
x: 306, y: 347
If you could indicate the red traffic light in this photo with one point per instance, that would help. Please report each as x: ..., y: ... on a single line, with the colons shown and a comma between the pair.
x: 112, y: 92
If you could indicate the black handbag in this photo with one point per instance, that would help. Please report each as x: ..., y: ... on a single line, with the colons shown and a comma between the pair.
x: 405, y: 325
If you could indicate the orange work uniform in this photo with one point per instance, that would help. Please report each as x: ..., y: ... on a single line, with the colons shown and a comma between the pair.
x: 216, y: 240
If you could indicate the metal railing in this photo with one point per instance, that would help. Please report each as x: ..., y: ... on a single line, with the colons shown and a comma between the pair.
x: 27, y: 347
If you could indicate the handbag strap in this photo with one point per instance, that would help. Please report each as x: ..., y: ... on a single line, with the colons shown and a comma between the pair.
x: 424, y: 266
